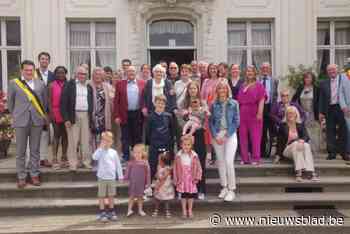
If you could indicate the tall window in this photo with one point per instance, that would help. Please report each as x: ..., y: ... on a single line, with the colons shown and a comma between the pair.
x: 93, y: 43
x: 249, y: 42
x: 333, y: 43
x: 10, y: 50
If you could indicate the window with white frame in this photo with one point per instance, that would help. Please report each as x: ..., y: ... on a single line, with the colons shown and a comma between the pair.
x: 249, y: 42
x: 10, y: 50
x: 92, y: 43
x: 333, y: 43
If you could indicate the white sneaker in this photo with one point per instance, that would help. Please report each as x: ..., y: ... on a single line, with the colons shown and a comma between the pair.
x: 223, y: 193
x: 230, y: 196
x: 201, y: 196
x: 142, y: 213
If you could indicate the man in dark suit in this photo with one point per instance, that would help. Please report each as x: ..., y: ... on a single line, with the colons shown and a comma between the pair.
x: 43, y: 73
x: 128, y: 104
x: 271, y: 87
x: 330, y: 111
x: 27, y: 102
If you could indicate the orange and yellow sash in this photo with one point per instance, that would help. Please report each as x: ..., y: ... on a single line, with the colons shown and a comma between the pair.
x: 31, y: 97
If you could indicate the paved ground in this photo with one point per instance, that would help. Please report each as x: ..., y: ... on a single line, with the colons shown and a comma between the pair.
x: 88, y: 222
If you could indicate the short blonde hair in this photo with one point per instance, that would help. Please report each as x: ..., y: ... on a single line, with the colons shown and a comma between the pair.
x: 186, y: 66
x: 107, y: 135
x: 187, y: 138
x: 295, y: 111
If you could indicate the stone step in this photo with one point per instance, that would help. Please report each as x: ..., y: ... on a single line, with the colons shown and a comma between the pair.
x: 243, y: 202
x: 246, y: 185
x: 324, y: 169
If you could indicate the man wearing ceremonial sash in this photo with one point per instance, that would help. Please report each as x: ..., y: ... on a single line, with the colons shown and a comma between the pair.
x: 27, y: 102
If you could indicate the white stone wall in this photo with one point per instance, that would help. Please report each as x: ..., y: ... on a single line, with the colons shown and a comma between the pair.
x: 295, y: 21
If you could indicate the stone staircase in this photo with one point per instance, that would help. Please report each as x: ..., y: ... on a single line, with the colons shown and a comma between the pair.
x: 267, y: 187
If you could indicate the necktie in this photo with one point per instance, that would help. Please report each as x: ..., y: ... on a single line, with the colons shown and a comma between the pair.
x: 264, y: 81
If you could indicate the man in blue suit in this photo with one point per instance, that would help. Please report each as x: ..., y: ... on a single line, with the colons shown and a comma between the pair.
x: 271, y: 87
x: 43, y: 73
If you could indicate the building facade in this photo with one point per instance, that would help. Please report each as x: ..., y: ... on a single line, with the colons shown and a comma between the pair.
x: 103, y: 32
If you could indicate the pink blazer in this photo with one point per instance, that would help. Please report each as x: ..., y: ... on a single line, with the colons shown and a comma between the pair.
x: 195, y: 167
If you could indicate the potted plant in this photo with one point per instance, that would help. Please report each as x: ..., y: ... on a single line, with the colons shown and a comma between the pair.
x: 7, y: 133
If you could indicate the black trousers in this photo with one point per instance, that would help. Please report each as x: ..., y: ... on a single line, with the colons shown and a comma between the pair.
x: 200, y: 149
x: 153, y: 153
x: 267, y: 128
x: 131, y: 132
x: 336, y: 131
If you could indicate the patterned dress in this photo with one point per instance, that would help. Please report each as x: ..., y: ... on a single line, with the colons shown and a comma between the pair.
x: 186, y: 184
x: 100, y: 110
x: 166, y: 191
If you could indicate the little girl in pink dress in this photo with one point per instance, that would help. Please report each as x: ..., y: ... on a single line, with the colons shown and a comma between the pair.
x: 164, y: 189
x: 187, y: 173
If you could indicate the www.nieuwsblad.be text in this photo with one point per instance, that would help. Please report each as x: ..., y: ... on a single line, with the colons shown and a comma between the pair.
x: 219, y: 220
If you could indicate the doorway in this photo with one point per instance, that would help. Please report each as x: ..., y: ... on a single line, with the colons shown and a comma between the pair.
x: 178, y: 56
x: 171, y: 40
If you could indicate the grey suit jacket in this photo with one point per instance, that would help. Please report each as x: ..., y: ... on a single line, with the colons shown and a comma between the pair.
x: 22, y: 110
x: 344, y: 93
x: 274, y: 89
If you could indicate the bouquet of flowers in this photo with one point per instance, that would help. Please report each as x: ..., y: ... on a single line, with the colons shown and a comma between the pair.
x: 7, y: 133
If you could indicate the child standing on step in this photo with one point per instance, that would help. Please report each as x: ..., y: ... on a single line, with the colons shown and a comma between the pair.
x: 108, y: 169
x: 138, y: 175
x: 160, y: 132
x: 187, y: 173
x: 164, y: 189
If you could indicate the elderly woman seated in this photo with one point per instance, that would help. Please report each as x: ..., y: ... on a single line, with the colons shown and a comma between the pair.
x: 293, y: 143
x: 278, y: 110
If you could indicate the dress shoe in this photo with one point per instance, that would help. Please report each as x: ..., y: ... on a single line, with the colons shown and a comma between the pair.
x: 346, y: 157
x: 331, y: 157
x: 36, y: 181
x: 21, y: 184
x: 45, y: 163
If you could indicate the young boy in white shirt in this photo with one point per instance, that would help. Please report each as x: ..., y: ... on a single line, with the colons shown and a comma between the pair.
x: 108, y: 170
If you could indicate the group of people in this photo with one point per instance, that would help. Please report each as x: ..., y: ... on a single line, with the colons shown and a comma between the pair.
x: 186, y: 115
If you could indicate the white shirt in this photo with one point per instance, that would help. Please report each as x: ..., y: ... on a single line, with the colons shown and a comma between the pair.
x: 30, y: 83
x: 44, y: 75
x: 180, y: 90
x: 335, y: 92
x: 81, y: 103
x: 108, y: 164
x: 185, y: 159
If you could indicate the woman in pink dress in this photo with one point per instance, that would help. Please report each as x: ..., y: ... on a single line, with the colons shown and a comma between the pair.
x: 251, y: 98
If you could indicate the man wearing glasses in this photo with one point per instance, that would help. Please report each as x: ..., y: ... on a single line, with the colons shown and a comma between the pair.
x: 76, y: 110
